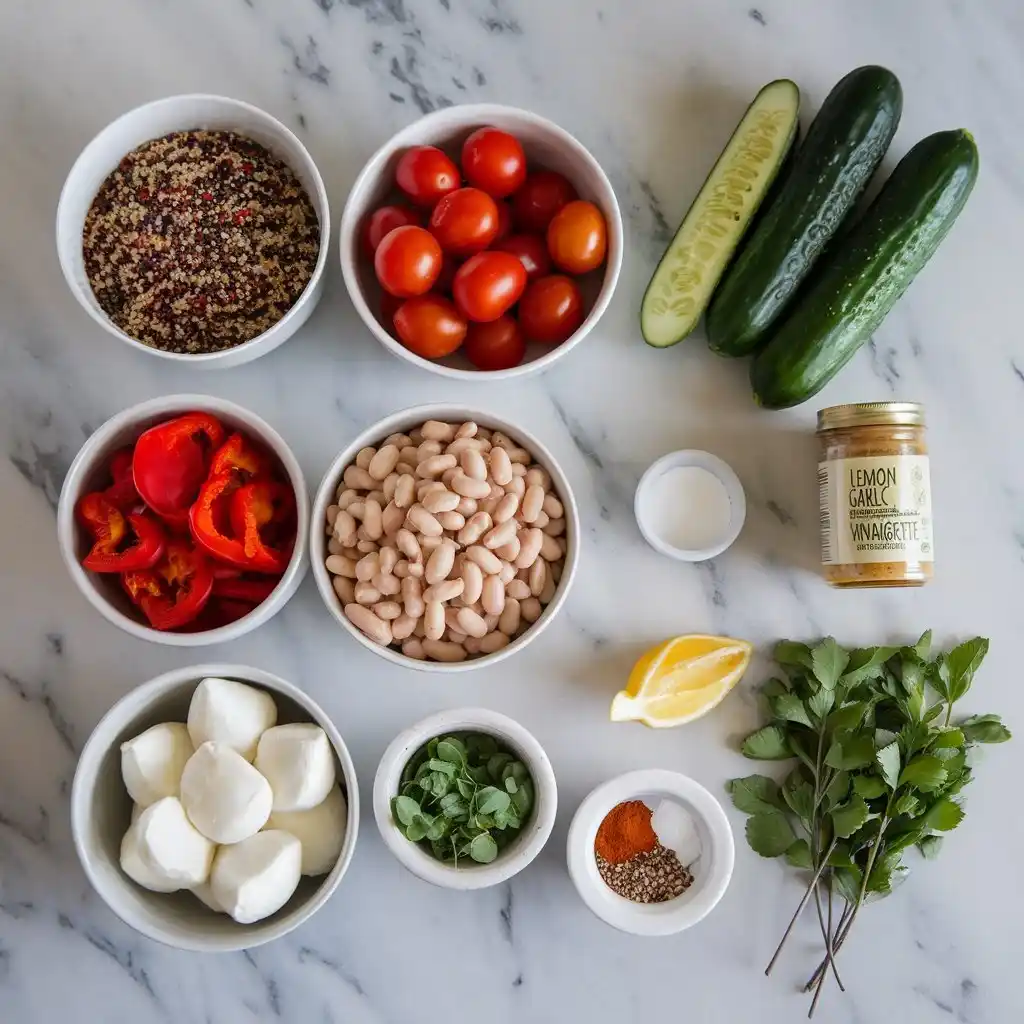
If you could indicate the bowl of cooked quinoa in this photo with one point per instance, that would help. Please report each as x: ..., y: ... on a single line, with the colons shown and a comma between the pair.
x: 195, y: 228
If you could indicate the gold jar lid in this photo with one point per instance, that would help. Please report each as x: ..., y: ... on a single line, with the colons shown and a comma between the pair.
x: 899, y: 414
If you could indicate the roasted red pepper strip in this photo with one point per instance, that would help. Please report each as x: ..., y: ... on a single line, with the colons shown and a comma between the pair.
x: 241, y: 454
x: 263, y: 516
x: 252, y: 591
x: 119, y: 544
x: 174, y: 592
x: 170, y: 463
x: 122, y: 492
x: 211, y: 528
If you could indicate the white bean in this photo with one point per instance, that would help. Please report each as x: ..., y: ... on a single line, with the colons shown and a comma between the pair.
x: 433, y: 620
x: 479, y: 523
x: 413, y: 648
x: 440, y: 563
x: 409, y: 455
x: 507, y: 573
x: 518, y: 469
x: 430, y: 544
x: 387, y: 558
x: 364, y: 457
x: 542, y: 520
x: 508, y: 621
x: 501, y: 534
x: 435, y: 465
x: 444, y: 591
x: 368, y: 566
x: 401, y: 569
x: 339, y: 565
x: 412, y: 597
x: 366, y: 547
x: 332, y: 514
x: 398, y: 440
x: 345, y: 589
x: 473, y: 581
x: 530, y: 609
x: 517, y: 589
x: 471, y: 644
x: 455, y: 636
x: 549, y: 549
x: 402, y: 627
x: 427, y: 450
x: 383, y: 463
x: 519, y: 455
x: 493, y: 642
x: 435, y: 430
x: 493, y: 596
x: 470, y: 623
x: 387, y: 610
x: 367, y: 593
x: 451, y: 521
x: 358, y: 479
x: 537, y: 477
x: 553, y: 507
x: 506, y: 508
x: 392, y: 519
x: 373, y: 520
x: 517, y: 486
x: 334, y: 546
x: 441, y: 500
x: 487, y: 560
x: 387, y: 584
x: 408, y: 545
x: 508, y: 552
x: 533, y: 501
x: 501, y: 466
x: 465, y: 444
x: 416, y: 570
x: 405, y: 490
x: 439, y: 650
x: 346, y: 496
x: 530, y: 542
x: 419, y: 518
x: 364, y: 619
x: 344, y: 526
x: 473, y: 464
x: 466, y: 507
x: 538, y: 577
x: 548, y: 592
x: 467, y: 429
x: 555, y: 571
x: 468, y: 487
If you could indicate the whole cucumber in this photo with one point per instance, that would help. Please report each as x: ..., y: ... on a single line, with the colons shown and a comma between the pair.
x: 844, y: 146
x: 850, y: 294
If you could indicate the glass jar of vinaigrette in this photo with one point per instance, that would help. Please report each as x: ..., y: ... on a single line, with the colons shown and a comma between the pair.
x: 875, y: 495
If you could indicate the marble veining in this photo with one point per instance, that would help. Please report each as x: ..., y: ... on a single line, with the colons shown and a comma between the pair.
x: 653, y: 88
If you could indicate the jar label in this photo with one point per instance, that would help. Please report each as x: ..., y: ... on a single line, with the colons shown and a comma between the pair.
x: 876, y: 509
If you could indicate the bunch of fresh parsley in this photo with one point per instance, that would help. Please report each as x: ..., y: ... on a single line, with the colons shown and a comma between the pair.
x: 463, y: 796
x: 881, y: 762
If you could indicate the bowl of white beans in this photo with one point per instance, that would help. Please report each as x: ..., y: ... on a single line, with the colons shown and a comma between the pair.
x: 444, y: 538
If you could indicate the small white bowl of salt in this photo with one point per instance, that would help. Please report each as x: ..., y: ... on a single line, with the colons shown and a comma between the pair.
x: 690, y: 505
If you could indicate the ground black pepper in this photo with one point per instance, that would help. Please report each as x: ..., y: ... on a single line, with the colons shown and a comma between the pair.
x: 199, y: 241
x: 652, y: 877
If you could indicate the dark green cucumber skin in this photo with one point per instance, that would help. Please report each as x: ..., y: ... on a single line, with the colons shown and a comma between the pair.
x: 850, y: 295
x: 843, y: 148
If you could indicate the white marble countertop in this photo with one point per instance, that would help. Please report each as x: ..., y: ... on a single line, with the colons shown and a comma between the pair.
x: 653, y: 88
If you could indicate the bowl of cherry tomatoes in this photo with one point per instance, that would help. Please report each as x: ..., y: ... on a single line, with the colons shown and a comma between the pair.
x: 482, y: 240
x: 185, y: 520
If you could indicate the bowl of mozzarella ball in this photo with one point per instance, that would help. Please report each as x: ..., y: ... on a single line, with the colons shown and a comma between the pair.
x: 444, y: 538
x: 215, y: 808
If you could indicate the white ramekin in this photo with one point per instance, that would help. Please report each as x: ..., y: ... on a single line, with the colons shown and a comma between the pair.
x: 712, y: 871
x: 173, y: 114
x: 103, y: 591
x: 546, y: 145
x: 101, y: 811
x: 518, y: 854
x: 726, y: 476
x: 406, y: 420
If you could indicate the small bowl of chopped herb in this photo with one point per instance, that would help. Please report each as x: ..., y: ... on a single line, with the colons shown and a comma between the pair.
x: 194, y: 228
x: 465, y: 799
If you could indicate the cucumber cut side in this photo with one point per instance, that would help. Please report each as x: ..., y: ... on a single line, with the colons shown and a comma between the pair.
x: 686, y: 277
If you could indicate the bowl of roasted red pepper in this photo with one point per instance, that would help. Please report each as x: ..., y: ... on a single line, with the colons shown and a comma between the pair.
x: 185, y: 520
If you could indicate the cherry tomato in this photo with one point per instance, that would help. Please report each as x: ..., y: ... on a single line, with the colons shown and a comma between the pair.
x: 497, y: 345
x: 385, y: 219
x: 494, y: 161
x: 487, y: 284
x: 551, y: 309
x: 465, y: 221
x: 388, y: 308
x: 504, y: 222
x: 532, y: 252
x: 425, y: 174
x: 407, y: 261
x: 577, y: 237
x: 430, y: 326
x: 543, y: 194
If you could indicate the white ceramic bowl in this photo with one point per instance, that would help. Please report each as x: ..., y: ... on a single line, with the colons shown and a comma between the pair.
x: 101, y: 812
x: 103, y: 591
x: 547, y: 146
x: 718, y: 468
x: 520, y: 852
x: 712, y: 869
x: 406, y: 420
x: 173, y: 114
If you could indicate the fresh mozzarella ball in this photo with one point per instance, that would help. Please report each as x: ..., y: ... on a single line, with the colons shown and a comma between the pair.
x: 152, y: 762
x: 255, y: 878
x: 229, y: 712
x: 170, y: 846
x: 298, y: 762
x: 321, y: 830
x: 225, y: 797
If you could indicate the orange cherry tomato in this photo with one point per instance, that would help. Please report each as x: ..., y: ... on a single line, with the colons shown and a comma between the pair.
x: 465, y: 221
x: 425, y: 174
x: 577, y: 237
x: 531, y: 250
x: 386, y: 219
x: 487, y: 284
x: 551, y: 309
x: 543, y: 194
x: 504, y: 222
x: 494, y: 161
x: 498, y: 345
x: 407, y: 261
x: 430, y: 326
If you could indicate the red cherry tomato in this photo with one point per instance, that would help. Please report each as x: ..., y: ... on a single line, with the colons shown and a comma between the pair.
x: 577, y: 237
x: 531, y: 250
x: 465, y: 221
x: 494, y: 161
x: 385, y: 219
x: 407, y: 261
x: 425, y: 174
x: 430, y: 326
x: 389, y: 306
x: 487, y: 284
x: 543, y: 194
x: 551, y: 309
x: 498, y: 345
x: 504, y: 222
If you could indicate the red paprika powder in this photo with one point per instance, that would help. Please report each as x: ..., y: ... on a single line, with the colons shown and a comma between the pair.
x: 625, y: 832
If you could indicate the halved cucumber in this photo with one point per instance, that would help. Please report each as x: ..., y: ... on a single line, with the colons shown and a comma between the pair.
x: 696, y: 258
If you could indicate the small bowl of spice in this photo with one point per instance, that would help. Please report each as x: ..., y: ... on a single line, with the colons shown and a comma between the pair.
x: 465, y: 799
x: 194, y: 228
x: 650, y: 852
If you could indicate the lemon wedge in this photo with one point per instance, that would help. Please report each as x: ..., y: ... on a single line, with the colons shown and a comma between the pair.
x: 680, y: 680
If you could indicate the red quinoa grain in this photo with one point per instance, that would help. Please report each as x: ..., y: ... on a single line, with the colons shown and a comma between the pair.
x: 199, y: 241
